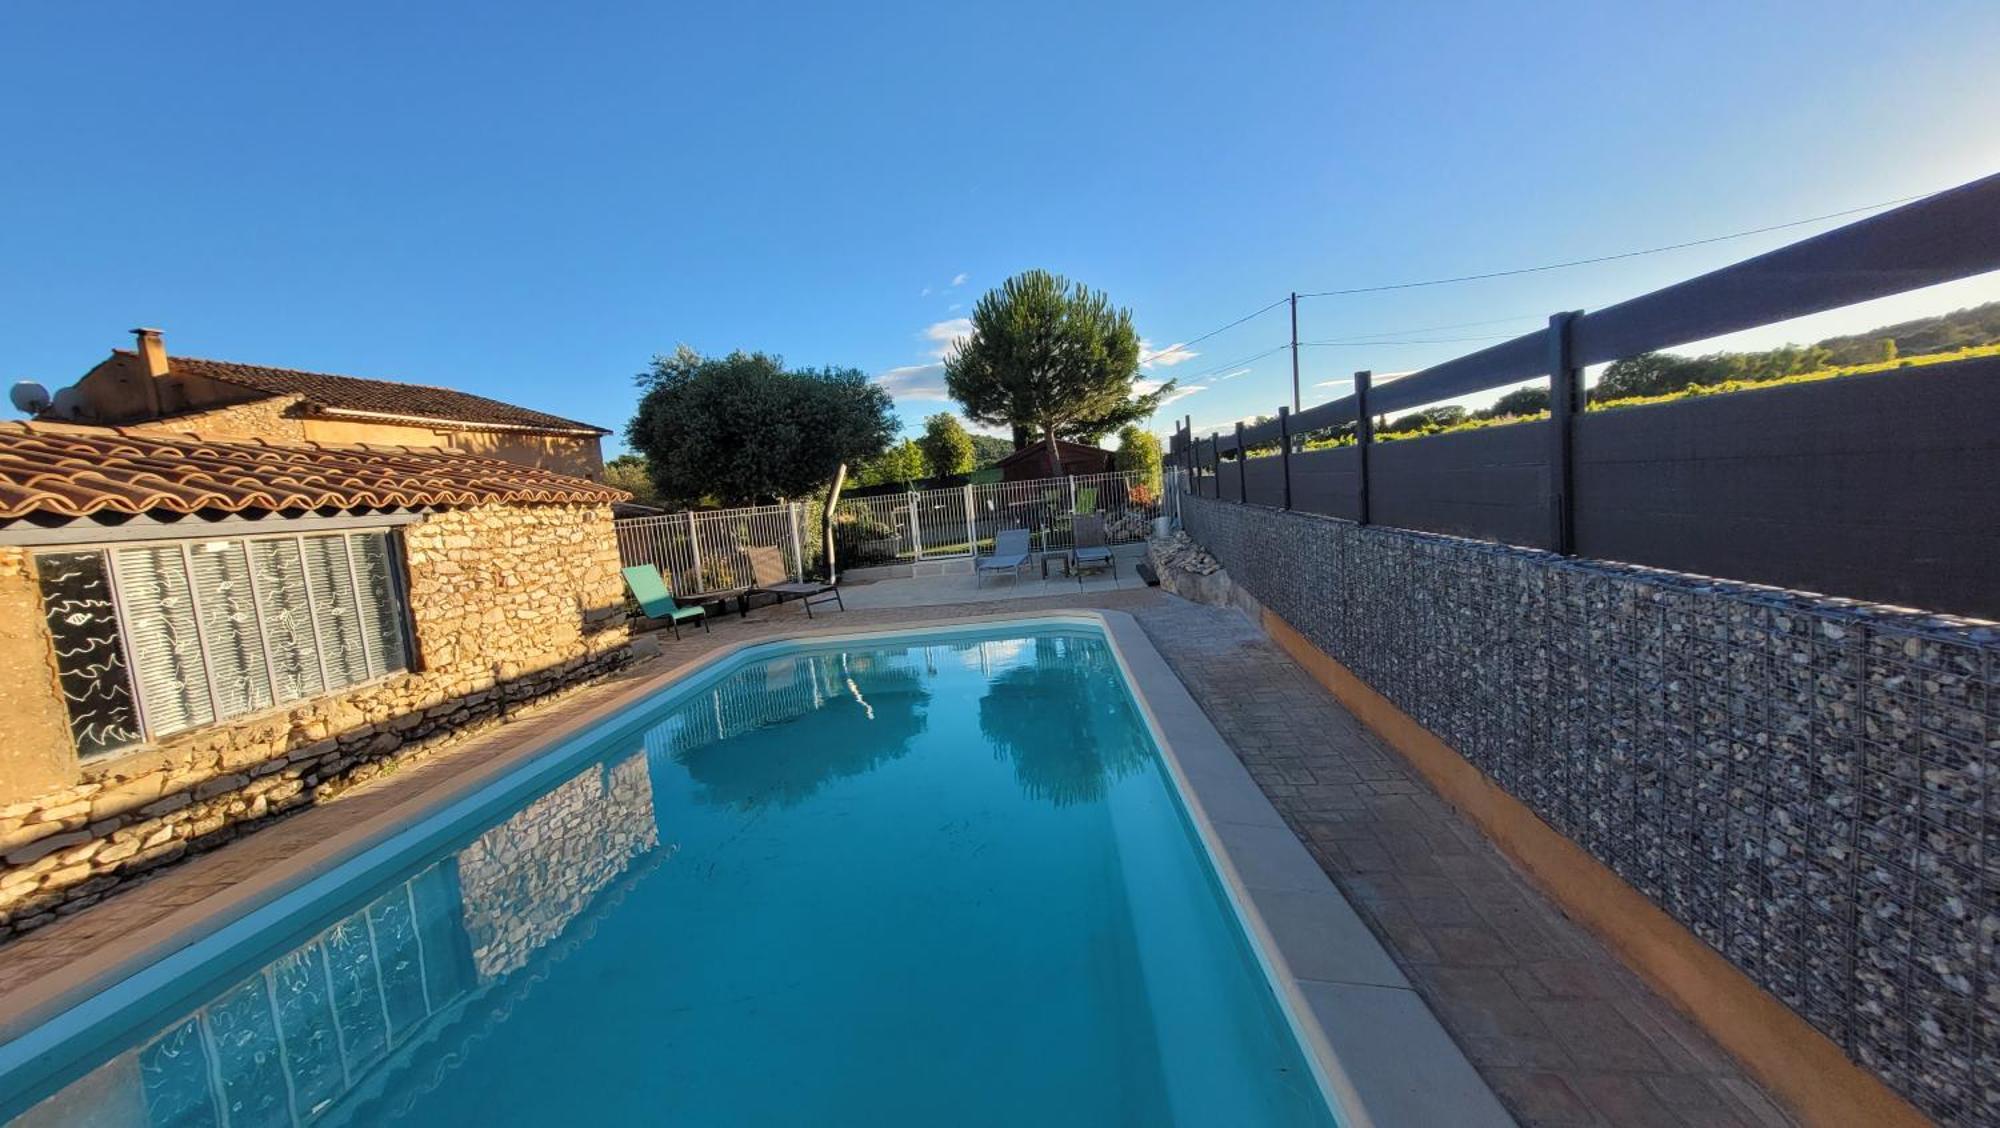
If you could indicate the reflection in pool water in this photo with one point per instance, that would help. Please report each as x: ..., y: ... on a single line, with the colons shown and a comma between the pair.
x: 927, y: 882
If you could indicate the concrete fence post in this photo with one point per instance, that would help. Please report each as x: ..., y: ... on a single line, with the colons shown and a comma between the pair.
x: 798, y: 546
x: 694, y: 550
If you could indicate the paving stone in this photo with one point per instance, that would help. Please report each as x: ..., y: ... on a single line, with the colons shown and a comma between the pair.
x: 1471, y: 946
x: 1480, y: 1002
x: 1540, y: 1097
x: 1628, y: 1101
x: 1598, y: 1036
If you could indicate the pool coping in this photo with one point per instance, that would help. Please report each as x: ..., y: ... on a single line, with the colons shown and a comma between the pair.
x: 1378, y: 1052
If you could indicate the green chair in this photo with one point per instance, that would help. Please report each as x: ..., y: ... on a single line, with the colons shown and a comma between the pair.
x: 657, y: 602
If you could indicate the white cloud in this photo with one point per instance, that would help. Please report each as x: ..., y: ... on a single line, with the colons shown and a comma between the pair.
x: 942, y: 335
x: 926, y: 293
x: 1173, y: 354
x: 960, y: 278
x: 1232, y: 375
x: 1204, y: 430
x: 914, y: 382
x: 1144, y: 387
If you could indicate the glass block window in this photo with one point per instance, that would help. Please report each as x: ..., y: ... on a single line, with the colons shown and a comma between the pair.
x: 156, y: 639
x: 90, y: 655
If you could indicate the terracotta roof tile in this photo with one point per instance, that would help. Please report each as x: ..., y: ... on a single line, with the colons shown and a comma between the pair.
x: 69, y: 471
x: 376, y: 397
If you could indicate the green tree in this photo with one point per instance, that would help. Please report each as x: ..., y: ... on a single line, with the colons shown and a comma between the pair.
x: 630, y: 473
x: 946, y: 445
x: 743, y: 429
x: 1520, y: 401
x: 1427, y: 420
x: 1050, y: 356
x: 900, y: 465
x: 1139, y: 449
x: 1655, y: 374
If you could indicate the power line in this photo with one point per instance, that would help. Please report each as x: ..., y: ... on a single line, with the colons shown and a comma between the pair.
x: 1371, y: 342
x: 1610, y: 258
x: 1441, y: 328
x: 1194, y: 377
x: 1231, y: 325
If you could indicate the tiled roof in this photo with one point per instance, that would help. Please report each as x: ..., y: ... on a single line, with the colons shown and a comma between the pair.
x: 69, y: 471
x: 376, y: 397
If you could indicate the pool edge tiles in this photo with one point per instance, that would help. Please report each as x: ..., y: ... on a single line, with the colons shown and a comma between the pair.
x: 1378, y: 1054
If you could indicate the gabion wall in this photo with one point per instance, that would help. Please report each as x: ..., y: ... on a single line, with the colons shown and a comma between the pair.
x: 1806, y: 783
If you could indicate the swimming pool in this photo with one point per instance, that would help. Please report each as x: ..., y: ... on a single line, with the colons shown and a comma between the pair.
x: 934, y: 879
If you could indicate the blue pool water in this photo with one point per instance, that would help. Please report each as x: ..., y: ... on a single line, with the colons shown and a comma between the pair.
x: 909, y: 881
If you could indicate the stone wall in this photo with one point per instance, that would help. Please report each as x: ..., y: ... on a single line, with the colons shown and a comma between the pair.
x: 523, y: 881
x: 1805, y: 783
x: 35, y: 751
x: 509, y: 604
x: 274, y: 418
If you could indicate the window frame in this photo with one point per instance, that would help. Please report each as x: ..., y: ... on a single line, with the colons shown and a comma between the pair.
x: 397, y: 574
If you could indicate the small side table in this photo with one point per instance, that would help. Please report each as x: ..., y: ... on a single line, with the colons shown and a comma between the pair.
x: 1063, y: 557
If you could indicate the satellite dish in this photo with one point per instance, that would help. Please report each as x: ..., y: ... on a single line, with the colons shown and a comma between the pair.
x: 30, y: 398
x: 68, y: 404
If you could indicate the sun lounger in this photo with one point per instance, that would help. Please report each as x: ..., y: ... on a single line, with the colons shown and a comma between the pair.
x: 1010, y: 555
x: 769, y: 576
x: 1092, y: 550
x: 657, y: 602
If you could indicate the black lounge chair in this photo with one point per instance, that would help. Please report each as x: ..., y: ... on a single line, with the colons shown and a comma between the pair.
x: 770, y: 577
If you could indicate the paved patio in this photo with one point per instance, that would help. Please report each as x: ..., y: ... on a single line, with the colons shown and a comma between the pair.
x: 961, y: 585
x: 1555, y: 1024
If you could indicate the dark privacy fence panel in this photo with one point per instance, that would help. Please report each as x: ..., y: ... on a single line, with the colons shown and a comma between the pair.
x: 1884, y: 488
x: 1327, y: 481
x: 1229, y: 480
x: 1266, y: 480
x: 1491, y: 484
x: 1805, y: 783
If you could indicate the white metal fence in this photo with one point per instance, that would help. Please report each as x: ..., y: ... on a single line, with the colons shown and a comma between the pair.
x: 961, y: 521
x: 704, y: 551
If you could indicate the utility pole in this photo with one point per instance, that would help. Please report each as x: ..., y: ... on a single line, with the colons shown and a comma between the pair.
x: 1295, y: 350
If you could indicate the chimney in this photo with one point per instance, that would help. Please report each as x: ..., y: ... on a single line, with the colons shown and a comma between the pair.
x: 152, y: 351
x: 153, y: 358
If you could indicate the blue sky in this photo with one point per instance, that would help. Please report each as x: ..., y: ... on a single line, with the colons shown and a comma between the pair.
x: 529, y: 201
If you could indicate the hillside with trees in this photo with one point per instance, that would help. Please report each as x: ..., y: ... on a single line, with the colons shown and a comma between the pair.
x: 988, y: 450
x: 1949, y: 332
x: 1658, y: 373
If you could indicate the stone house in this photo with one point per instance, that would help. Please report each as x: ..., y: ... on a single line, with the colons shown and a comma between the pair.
x: 145, y: 389
x: 197, y: 634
